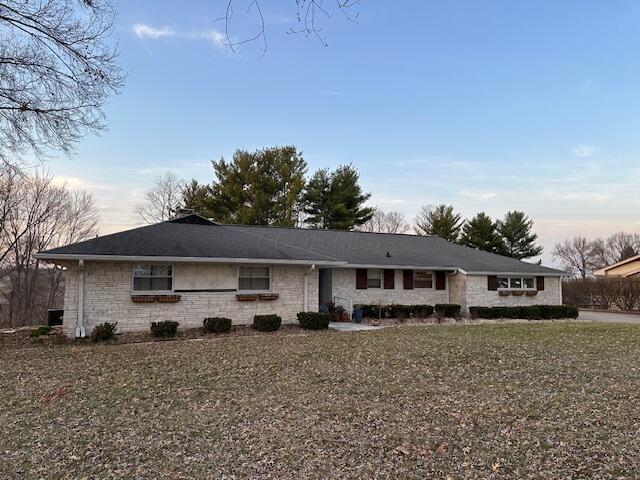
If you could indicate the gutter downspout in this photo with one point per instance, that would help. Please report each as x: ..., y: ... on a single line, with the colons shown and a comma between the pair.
x: 306, y: 287
x: 80, y: 329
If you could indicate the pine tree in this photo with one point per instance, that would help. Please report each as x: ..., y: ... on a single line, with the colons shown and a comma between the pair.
x: 519, y: 240
x: 256, y: 188
x: 482, y: 233
x: 334, y: 200
x: 441, y: 221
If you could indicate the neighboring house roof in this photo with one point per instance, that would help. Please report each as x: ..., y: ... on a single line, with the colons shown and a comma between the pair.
x: 194, y: 238
x: 624, y: 272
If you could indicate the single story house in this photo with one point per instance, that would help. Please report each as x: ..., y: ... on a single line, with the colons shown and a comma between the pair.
x: 626, y: 268
x: 189, y: 268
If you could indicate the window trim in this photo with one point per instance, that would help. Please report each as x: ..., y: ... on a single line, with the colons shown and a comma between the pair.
x: 522, y: 288
x: 380, y: 277
x: 153, y: 292
x: 433, y: 280
x: 239, y: 290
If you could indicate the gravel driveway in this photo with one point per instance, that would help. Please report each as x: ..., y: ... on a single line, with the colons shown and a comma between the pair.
x: 609, y: 317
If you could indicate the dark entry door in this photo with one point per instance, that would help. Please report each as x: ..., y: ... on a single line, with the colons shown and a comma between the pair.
x: 324, y: 288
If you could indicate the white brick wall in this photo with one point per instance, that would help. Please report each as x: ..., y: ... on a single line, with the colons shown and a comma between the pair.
x: 344, y: 285
x: 108, y: 299
x: 458, y: 289
x: 479, y: 295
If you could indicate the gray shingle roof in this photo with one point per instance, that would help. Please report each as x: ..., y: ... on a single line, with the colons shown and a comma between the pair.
x: 196, y: 237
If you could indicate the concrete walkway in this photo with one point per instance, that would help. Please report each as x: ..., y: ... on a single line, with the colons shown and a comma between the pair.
x: 608, y: 317
x: 351, y: 327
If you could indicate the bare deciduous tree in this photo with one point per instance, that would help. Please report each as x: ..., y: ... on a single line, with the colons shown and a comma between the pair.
x: 46, y: 216
x: 386, y: 222
x: 56, y: 72
x: 308, y: 15
x: 577, y: 256
x: 161, y: 200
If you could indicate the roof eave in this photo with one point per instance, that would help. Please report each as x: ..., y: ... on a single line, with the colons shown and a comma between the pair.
x: 539, y: 273
x: 173, y: 259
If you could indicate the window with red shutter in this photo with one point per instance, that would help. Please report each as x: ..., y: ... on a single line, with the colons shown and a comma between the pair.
x: 441, y: 280
x: 492, y: 282
x: 361, y: 279
x: 540, y: 283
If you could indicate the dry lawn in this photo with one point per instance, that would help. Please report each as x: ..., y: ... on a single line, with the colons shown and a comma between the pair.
x: 543, y: 401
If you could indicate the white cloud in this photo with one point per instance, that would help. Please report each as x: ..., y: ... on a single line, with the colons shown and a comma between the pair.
x: 585, y: 151
x: 478, y: 195
x: 587, y: 196
x: 77, y: 183
x: 147, y: 31
x: 142, y: 30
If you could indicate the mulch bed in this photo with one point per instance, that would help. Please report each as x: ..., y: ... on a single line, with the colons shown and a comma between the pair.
x: 20, y: 338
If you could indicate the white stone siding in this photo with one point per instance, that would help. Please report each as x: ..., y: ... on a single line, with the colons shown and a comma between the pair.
x: 479, y: 295
x: 458, y: 289
x: 344, y: 285
x: 107, y: 298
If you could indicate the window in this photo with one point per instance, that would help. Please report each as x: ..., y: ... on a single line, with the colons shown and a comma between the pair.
x: 254, y: 278
x: 153, y: 277
x: 422, y: 279
x: 516, y: 283
x: 374, y: 278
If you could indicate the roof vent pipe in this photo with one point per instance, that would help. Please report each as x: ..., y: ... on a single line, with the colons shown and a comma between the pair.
x: 388, y: 254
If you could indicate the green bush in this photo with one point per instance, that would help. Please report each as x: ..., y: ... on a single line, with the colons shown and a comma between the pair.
x: 216, y: 325
x: 267, y: 323
x: 103, y: 332
x: 527, y: 312
x: 39, y: 331
x: 314, y: 320
x: 570, y: 311
x: 164, y: 329
x: 447, y: 310
x: 396, y: 311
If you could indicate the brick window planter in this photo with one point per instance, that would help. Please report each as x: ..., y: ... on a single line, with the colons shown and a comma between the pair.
x: 155, y: 298
x: 143, y: 298
x: 517, y: 293
x: 504, y: 293
x: 167, y: 298
x: 531, y: 293
x: 268, y: 296
x: 246, y: 297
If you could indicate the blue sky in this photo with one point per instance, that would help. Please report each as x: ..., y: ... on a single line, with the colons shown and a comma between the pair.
x: 489, y: 106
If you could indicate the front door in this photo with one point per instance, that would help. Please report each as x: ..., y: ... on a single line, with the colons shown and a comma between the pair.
x: 325, y: 294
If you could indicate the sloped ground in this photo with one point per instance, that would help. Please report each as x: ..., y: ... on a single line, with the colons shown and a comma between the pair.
x: 515, y: 401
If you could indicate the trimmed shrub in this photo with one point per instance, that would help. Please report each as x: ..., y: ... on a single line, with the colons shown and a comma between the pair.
x: 421, y: 311
x: 103, y: 332
x: 164, y: 329
x: 526, y: 312
x: 447, y: 310
x: 314, y: 320
x: 267, y: 323
x: 39, y: 331
x: 216, y: 325
x: 570, y: 311
x: 396, y: 311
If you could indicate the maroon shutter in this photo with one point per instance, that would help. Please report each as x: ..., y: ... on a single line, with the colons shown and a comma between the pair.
x: 540, y: 283
x: 361, y: 278
x: 407, y: 279
x: 389, y: 280
x: 441, y: 281
x: 492, y: 282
